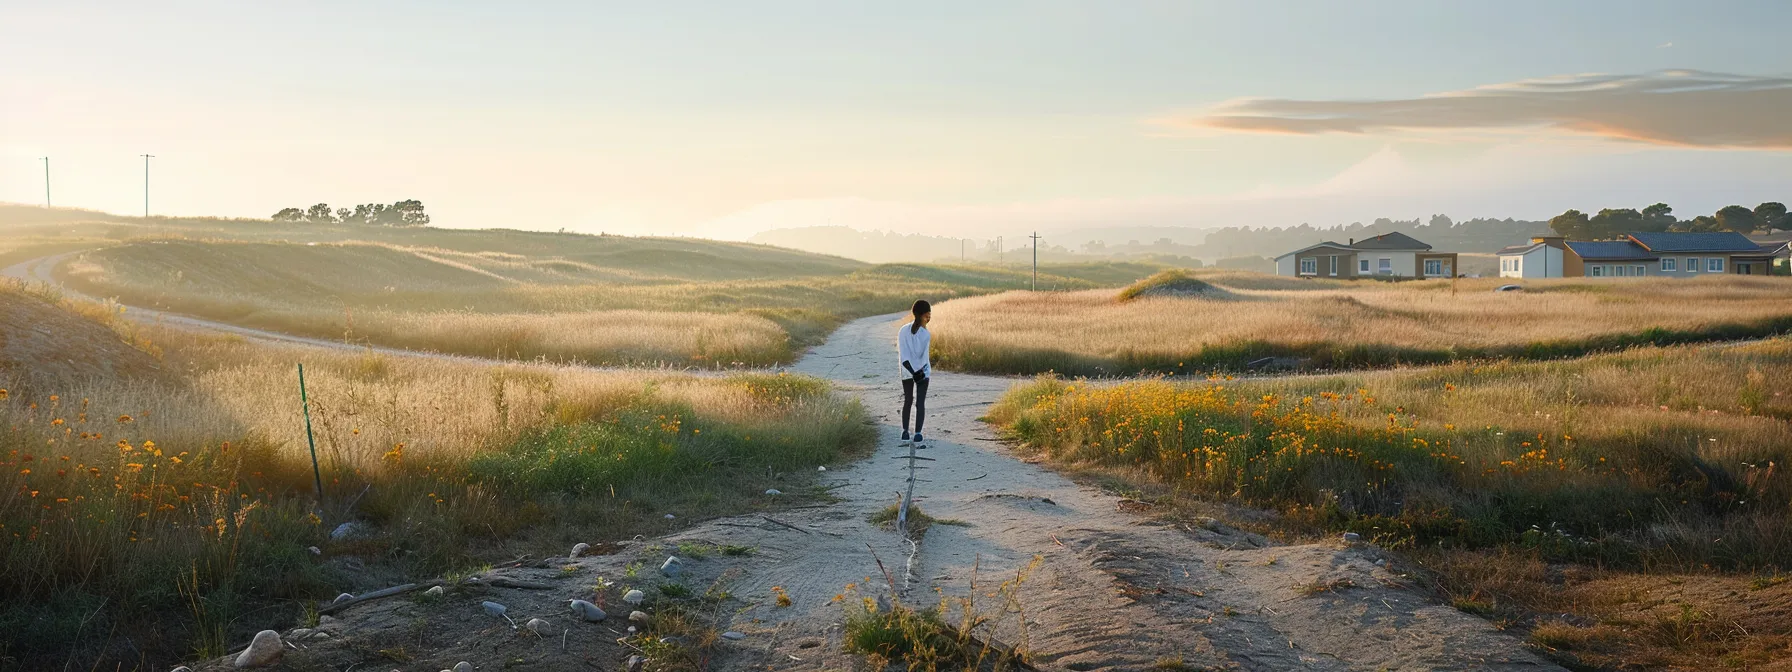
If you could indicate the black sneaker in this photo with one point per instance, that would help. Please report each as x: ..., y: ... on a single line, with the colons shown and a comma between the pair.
x: 905, y: 436
x: 917, y: 437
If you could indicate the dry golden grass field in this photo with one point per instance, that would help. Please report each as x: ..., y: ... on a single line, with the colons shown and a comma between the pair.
x: 1627, y: 511
x: 622, y: 301
x: 154, y: 507
x: 1226, y: 320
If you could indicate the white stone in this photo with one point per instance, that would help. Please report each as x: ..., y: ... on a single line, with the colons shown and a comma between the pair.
x: 463, y: 666
x: 315, y: 550
x: 493, y: 608
x: 350, y: 530
x: 578, y: 549
x: 635, y: 663
x: 436, y: 591
x: 1352, y: 536
x: 263, y: 650
x: 637, y: 616
x: 774, y: 492
x: 734, y: 635
x: 634, y: 597
x: 821, y: 468
x: 182, y: 668
x: 670, y: 517
x: 540, y: 627
x: 587, y: 610
x: 671, y: 567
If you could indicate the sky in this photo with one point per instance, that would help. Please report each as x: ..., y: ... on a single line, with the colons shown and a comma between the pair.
x: 723, y: 119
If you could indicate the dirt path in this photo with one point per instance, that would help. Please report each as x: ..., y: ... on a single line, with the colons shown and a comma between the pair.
x: 1114, y: 591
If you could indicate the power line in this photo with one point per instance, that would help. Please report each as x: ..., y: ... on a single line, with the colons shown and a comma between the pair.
x: 1035, y: 238
x: 146, y: 158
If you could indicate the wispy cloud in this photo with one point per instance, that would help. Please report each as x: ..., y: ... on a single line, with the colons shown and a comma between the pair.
x: 1673, y: 107
x: 1665, y: 45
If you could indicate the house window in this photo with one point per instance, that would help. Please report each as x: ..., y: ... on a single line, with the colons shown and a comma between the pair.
x: 1692, y: 264
x: 1334, y: 270
x: 1434, y: 267
x: 1387, y: 266
x: 1596, y: 271
x: 1309, y: 266
x: 1667, y: 264
x: 1639, y: 271
x: 1362, y: 266
x: 1715, y: 264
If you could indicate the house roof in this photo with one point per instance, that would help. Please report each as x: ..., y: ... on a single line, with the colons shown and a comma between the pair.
x: 1593, y: 250
x: 1310, y: 248
x: 1390, y: 241
x: 1519, y: 249
x: 1719, y: 241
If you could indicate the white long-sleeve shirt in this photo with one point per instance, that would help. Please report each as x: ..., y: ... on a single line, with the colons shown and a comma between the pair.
x: 913, y: 348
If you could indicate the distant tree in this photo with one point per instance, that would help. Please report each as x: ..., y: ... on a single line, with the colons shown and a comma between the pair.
x: 1441, y: 222
x: 1704, y: 224
x: 1771, y: 215
x: 289, y: 215
x: 1658, y: 217
x: 1614, y: 223
x: 342, y: 214
x: 410, y: 213
x: 320, y: 214
x: 1737, y: 218
x: 1571, y: 224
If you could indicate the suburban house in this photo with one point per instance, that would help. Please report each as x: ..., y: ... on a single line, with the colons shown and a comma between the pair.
x: 1666, y: 254
x: 1389, y: 255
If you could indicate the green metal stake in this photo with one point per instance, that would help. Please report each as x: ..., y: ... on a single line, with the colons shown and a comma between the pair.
x: 305, y: 400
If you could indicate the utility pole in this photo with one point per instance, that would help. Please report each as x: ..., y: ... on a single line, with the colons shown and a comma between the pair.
x: 1001, y: 257
x: 146, y: 158
x: 46, y: 183
x: 1035, y: 238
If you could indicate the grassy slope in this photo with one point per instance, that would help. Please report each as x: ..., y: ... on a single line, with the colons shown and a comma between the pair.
x: 1630, y: 467
x: 739, y: 303
x: 1345, y: 324
x: 124, y: 492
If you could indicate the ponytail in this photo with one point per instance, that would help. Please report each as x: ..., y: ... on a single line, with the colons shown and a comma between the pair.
x: 921, y: 308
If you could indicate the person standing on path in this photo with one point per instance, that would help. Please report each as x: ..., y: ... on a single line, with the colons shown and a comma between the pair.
x: 913, y: 342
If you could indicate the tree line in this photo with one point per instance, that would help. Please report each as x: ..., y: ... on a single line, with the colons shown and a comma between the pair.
x: 400, y: 214
x: 1480, y: 234
x: 1615, y: 222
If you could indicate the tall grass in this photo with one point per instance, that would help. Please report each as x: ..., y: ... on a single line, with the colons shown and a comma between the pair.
x: 1655, y: 458
x: 148, y: 521
x: 1341, y: 325
x: 598, y: 309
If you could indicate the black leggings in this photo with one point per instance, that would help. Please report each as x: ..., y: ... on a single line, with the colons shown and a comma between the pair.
x: 914, y: 393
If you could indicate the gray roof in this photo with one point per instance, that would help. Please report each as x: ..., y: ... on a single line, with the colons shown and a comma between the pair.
x: 1328, y: 243
x: 1390, y: 241
x: 1721, y: 241
x: 1518, y: 249
x: 1608, y: 249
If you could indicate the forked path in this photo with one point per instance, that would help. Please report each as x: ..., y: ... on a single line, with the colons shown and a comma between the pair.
x: 1111, y: 591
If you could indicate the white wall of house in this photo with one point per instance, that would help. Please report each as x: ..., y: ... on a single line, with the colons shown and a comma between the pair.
x: 1540, y: 262
x: 1390, y: 263
x: 1287, y: 264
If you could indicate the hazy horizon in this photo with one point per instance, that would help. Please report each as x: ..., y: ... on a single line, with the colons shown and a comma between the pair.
x: 722, y: 120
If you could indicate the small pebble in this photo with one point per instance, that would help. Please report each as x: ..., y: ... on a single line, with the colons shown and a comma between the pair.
x: 493, y: 608
x: 182, y: 668
x: 587, y: 610
x: 634, y: 597
x: 436, y: 591
x: 540, y: 627
x: 578, y: 549
x: 263, y: 650
x: 463, y: 666
x: 734, y: 635
x: 774, y: 492
x: 670, y: 517
x: 315, y: 550
x: 821, y: 468
x: 1352, y: 536
x: 671, y: 567
x: 635, y: 663
x: 638, y: 616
